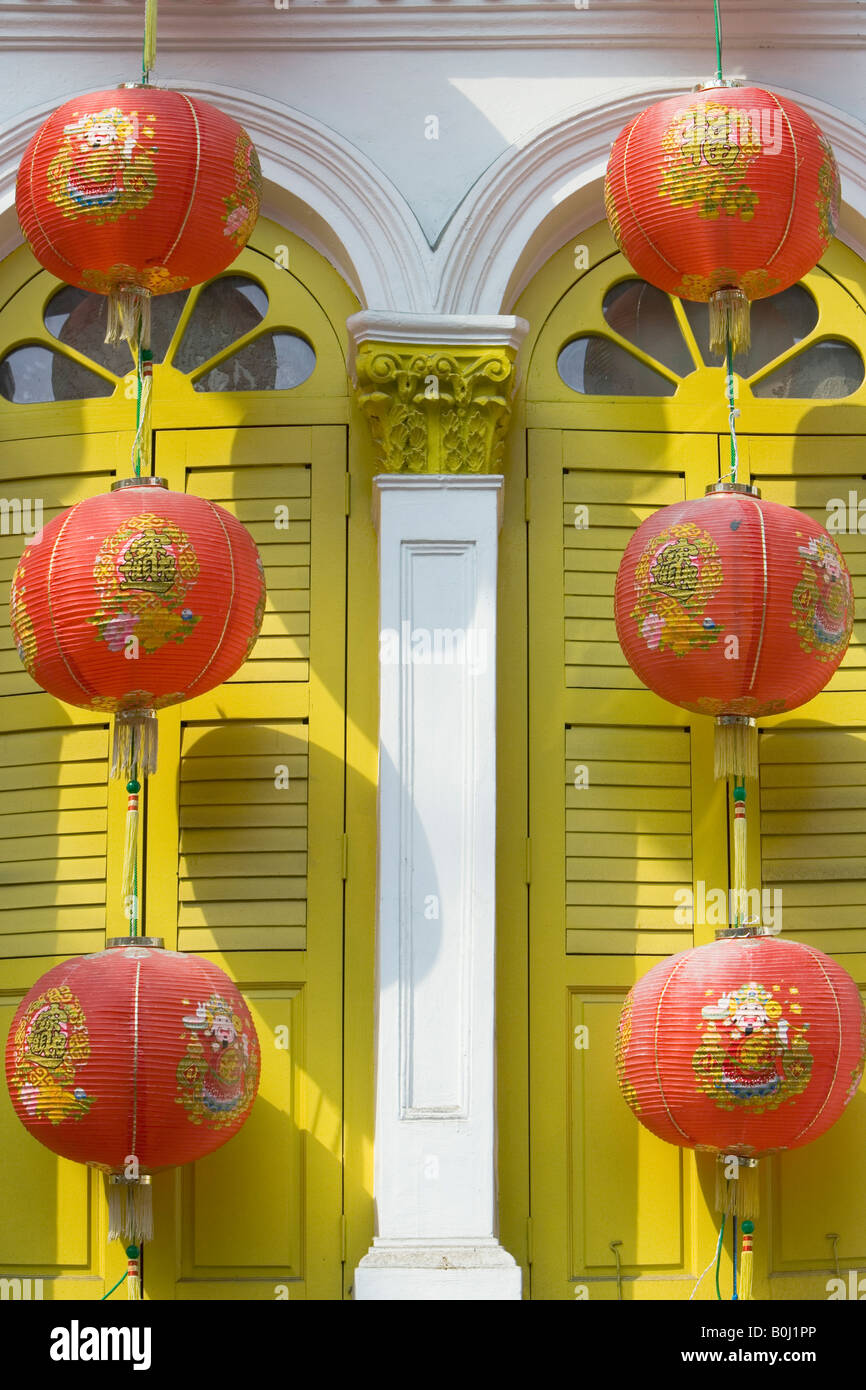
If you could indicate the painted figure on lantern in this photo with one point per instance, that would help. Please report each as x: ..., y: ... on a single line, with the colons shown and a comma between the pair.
x: 101, y: 168
x: 750, y: 1052
x: 823, y: 600
x: 219, y: 1063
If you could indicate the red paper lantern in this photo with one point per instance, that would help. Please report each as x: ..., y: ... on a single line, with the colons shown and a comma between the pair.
x: 733, y: 605
x: 138, y: 189
x: 133, y: 1052
x: 748, y: 1046
x: 137, y: 599
x: 132, y: 1060
x: 728, y: 194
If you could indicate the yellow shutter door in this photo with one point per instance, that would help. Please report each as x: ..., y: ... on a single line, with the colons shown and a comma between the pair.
x: 244, y: 845
x: 244, y: 851
x: 642, y: 817
x: 813, y: 855
x: 61, y: 842
x: 623, y: 813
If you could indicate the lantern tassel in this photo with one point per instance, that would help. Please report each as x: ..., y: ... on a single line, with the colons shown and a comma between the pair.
x: 140, y: 1218
x: 135, y: 744
x: 729, y: 319
x: 130, y: 847
x: 116, y: 1208
x: 133, y: 1272
x: 129, y: 314
x: 736, y: 747
x: 130, y: 1208
x: 744, y: 1288
x: 738, y: 1196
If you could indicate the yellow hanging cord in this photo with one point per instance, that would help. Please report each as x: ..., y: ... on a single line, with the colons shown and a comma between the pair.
x: 148, y: 52
x: 744, y: 1287
x: 740, y: 874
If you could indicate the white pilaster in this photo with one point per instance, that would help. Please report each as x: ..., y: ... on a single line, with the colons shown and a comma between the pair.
x: 435, y: 1158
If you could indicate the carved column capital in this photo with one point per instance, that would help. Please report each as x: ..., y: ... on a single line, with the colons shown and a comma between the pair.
x: 436, y: 409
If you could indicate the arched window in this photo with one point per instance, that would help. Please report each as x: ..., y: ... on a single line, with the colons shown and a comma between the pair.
x: 653, y: 340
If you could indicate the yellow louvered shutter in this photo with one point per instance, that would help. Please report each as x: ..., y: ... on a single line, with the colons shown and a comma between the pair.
x: 242, y: 868
x: 274, y: 505
x: 61, y: 840
x: 53, y: 841
x: 245, y: 839
x: 628, y: 839
x: 641, y: 822
x: 600, y: 513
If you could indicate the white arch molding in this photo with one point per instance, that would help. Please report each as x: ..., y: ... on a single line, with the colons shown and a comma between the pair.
x: 543, y: 190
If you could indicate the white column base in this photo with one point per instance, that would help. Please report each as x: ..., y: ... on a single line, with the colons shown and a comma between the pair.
x: 437, y: 1272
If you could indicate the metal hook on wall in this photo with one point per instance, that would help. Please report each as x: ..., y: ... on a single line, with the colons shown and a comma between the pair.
x: 614, y: 1246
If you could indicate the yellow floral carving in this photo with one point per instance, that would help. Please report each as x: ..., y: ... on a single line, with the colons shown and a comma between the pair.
x: 437, y: 410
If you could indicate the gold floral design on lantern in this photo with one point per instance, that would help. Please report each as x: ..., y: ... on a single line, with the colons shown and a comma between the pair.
x: 755, y: 284
x: 259, y: 614
x: 612, y: 214
x: 142, y: 573
x: 623, y: 1038
x: 675, y: 578
x: 242, y: 206
x: 23, y: 632
x: 743, y: 704
x: 856, y: 1072
x: 50, y: 1041
x: 754, y: 1052
x: 823, y: 603
x: 708, y: 148
x: 134, y: 701
x: 829, y: 193
x: 158, y: 279
x: 102, y: 168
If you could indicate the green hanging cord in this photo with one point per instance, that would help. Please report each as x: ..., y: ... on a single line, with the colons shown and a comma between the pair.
x: 111, y: 1291
x: 719, y: 77
x: 719, y: 1258
x: 133, y: 921
x: 734, y: 1293
x: 732, y: 411
x: 136, y: 460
